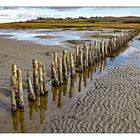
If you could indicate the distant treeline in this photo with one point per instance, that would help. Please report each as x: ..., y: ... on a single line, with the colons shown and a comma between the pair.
x: 80, y: 19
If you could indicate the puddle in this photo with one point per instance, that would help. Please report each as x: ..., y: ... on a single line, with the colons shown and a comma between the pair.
x: 36, y: 115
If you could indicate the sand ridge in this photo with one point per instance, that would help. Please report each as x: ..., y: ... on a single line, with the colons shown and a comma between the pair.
x: 112, y: 105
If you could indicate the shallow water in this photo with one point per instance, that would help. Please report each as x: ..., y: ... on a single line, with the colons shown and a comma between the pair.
x: 36, y: 115
x: 51, y: 36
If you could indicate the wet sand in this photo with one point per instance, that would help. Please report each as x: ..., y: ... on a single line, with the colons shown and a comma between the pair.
x: 111, y: 105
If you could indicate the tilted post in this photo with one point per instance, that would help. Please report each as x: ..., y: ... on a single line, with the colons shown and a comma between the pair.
x: 31, y: 94
x: 14, y: 74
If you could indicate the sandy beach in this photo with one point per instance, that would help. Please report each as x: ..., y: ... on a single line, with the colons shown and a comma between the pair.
x: 109, y: 103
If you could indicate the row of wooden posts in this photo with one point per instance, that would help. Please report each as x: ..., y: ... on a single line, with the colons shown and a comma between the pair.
x: 62, y: 68
x: 82, y: 58
x: 39, y: 84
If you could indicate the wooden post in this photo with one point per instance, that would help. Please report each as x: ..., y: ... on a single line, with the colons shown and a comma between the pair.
x: 55, y: 81
x: 60, y: 74
x: 31, y: 95
x: 35, y: 74
x: 72, y: 66
x: 45, y: 86
x: 55, y: 60
x: 68, y: 63
x: 80, y: 65
x: 85, y: 56
x: 14, y: 70
x: 64, y: 65
x: 20, y: 90
x: 41, y: 78
x: 14, y: 74
x: 93, y: 55
x: 13, y: 93
x: 90, y: 56
x: 105, y: 48
x: 77, y: 56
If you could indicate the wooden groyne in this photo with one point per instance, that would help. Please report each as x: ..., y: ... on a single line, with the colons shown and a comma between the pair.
x: 65, y: 68
x: 87, y: 56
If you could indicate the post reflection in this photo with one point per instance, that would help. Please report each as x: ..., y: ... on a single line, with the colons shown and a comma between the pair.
x: 55, y: 93
x: 19, y: 120
x: 85, y: 75
x: 60, y: 92
x: 33, y: 106
x: 43, y: 107
x: 71, y: 92
x: 80, y: 81
x: 65, y: 88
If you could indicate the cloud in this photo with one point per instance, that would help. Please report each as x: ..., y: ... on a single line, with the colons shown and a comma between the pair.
x: 64, y: 8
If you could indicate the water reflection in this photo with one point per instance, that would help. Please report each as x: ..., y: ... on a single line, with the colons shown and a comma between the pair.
x: 60, y: 95
x: 80, y: 75
x: 43, y: 107
x: 71, y: 88
x: 19, y: 120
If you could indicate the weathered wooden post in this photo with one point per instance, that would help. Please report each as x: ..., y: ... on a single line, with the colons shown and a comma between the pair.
x: 55, y: 60
x: 72, y: 66
x: 77, y: 55
x: 14, y: 74
x: 80, y: 65
x: 100, y: 50
x: 31, y: 94
x: 85, y: 56
x: 105, y: 48
x: 13, y: 93
x: 60, y: 74
x: 14, y: 70
x: 64, y: 66
x: 41, y: 78
x: 55, y: 81
x: 20, y: 90
x: 35, y: 75
x: 90, y: 55
x: 45, y: 86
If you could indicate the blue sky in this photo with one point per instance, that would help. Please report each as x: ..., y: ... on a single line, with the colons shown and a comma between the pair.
x: 12, y: 14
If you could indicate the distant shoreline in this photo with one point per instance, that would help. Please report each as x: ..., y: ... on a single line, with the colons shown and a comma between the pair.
x: 80, y: 23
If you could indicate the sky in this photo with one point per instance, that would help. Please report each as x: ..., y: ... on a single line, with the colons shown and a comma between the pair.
x: 15, y: 14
